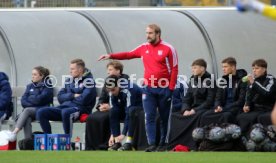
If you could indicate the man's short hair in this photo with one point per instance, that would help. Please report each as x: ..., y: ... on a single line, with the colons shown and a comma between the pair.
x: 78, y: 62
x: 156, y: 28
x: 260, y: 63
x: 117, y: 65
x: 200, y: 62
x: 230, y: 60
x: 111, y: 81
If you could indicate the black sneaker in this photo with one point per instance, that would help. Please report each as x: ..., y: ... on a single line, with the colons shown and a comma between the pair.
x: 151, y: 148
x: 126, y: 147
x: 161, y: 148
x: 114, y: 147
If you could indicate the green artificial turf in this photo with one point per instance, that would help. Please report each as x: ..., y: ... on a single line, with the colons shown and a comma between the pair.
x: 129, y: 157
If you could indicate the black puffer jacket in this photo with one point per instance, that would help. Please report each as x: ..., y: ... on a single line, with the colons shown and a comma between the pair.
x: 239, y: 91
x: 262, y: 92
x: 200, y: 94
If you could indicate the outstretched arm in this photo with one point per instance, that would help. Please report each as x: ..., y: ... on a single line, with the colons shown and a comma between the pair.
x: 122, y: 55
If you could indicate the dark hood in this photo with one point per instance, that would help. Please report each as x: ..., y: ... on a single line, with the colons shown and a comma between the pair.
x: 240, y: 73
x: 87, y: 74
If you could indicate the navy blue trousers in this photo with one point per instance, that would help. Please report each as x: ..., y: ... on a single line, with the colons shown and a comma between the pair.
x: 65, y: 114
x: 157, y: 99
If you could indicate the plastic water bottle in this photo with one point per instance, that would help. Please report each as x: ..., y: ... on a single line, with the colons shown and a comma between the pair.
x: 77, y: 144
x: 245, y: 79
x: 83, y: 142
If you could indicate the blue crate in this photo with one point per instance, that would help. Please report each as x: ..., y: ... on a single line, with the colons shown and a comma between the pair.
x: 40, y: 142
x: 58, y: 142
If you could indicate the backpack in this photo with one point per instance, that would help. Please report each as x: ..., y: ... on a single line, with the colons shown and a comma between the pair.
x: 207, y: 145
x: 236, y: 145
x: 28, y: 143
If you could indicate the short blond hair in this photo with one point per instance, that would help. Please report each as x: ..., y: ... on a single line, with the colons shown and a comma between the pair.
x: 156, y: 28
x: 78, y: 62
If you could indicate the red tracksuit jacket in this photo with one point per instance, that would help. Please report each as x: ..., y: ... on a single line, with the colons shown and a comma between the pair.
x: 160, y: 61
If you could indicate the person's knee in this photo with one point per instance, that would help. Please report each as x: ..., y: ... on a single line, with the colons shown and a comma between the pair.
x: 262, y: 118
x: 94, y: 118
x: 28, y: 111
x: 39, y: 114
x: 204, y: 115
x: 114, y: 113
x: 241, y: 117
x: 90, y: 119
x: 227, y: 114
x: 65, y: 113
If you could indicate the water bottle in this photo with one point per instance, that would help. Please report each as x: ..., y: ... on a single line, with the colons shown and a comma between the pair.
x: 77, y: 144
x: 83, y: 142
x: 245, y: 79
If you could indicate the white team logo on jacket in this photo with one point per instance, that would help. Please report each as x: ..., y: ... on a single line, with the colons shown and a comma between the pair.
x: 147, y: 52
x: 160, y: 52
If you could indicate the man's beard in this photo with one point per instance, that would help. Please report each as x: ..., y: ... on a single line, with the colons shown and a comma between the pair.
x: 151, y: 40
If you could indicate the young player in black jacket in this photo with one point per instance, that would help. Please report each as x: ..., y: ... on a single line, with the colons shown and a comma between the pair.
x: 260, y: 96
x: 230, y: 95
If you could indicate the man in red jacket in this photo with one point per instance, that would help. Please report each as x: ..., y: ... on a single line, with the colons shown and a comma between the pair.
x: 161, y: 69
